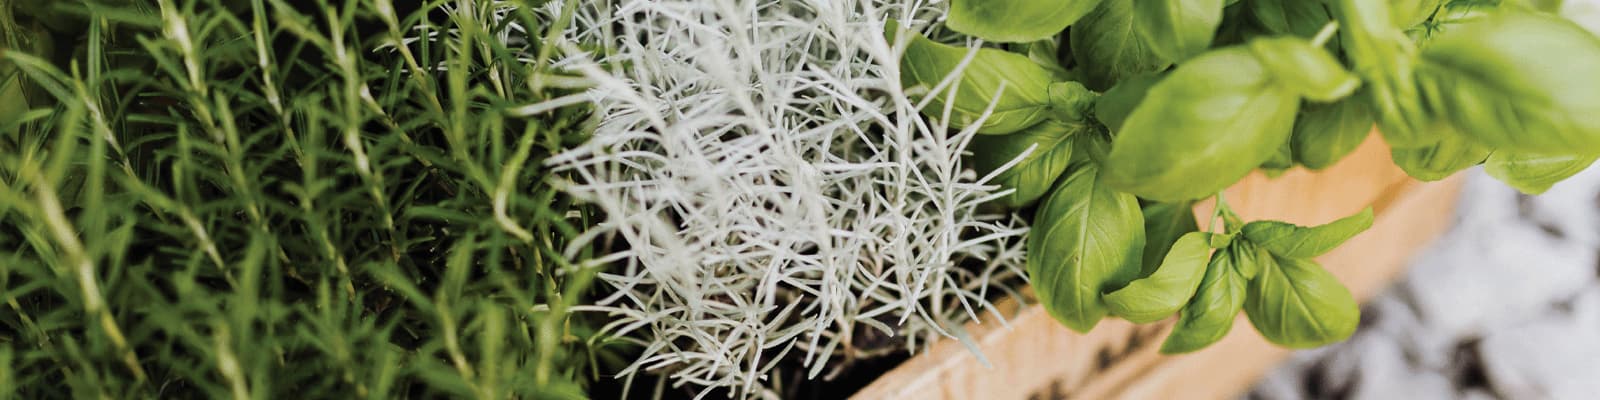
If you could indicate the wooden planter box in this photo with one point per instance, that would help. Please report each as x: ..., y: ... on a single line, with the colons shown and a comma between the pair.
x: 1037, y: 358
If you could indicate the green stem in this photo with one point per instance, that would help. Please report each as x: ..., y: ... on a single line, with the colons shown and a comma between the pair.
x: 1326, y: 34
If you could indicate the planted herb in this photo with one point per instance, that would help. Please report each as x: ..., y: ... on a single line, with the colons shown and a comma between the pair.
x: 1165, y: 291
x: 1007, y: 91
x: 1325, y: 133
x: 1087, y: 240
x: 1287, y: 240
x: 1296, y: 303
x: 1534, y: 173
x: 1033, y: 175
x: 1210, y: 314
x: 290, y: 199
x: 1194, y: 95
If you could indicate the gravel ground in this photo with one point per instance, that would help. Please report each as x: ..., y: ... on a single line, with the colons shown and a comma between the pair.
x: 1505, y: 305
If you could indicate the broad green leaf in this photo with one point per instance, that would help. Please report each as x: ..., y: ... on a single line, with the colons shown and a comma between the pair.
x: 1307, y: 70
x: 1164, y: 292
x: 1032, y: 176
x: 1518, y: 81
x: 1093, y: 147
x: 1177, y: 29
x: 1112, y: 107
x: 1248, y: 258
x: 1281, y: 161
x: 1325, y: 133
x: 1431, y: 163
x: 1290, y: 17
x: 1204, y: 126
x: 1164, y: 223
x: 1297, y: 304
x: 1549, y: 6
x: 1386, y: 60
x: 1288, y: 240
x: 1107, y: 48
x: 1022, y: 85
x: 1015, y: 20
x: 1210, y: 314
x: 1235, y: 28
x: 1219, y: 240
x: 1046, y: 53
x: 1086, y: 240
x: 1534, y: 173
x: 1071, y: 102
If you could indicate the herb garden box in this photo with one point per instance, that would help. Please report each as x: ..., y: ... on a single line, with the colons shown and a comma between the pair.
x: 1031, y: 356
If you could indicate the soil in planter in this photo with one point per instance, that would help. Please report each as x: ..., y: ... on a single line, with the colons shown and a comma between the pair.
x: 849, y: 379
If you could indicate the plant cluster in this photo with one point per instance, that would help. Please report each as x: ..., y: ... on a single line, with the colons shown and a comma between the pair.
x: 1120, y: 114
x: 289, y: 199
x: 784, y: 209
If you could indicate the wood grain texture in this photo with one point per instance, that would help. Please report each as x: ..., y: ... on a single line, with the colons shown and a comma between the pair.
x: 1034, y: 357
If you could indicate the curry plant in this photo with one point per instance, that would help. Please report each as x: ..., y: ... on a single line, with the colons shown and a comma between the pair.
x: 1119, y: 115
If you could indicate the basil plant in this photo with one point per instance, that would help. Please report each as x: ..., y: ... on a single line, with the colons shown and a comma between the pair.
x: 1107, y: 120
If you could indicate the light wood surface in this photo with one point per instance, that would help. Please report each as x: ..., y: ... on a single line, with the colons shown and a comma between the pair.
x: 1037, y: 358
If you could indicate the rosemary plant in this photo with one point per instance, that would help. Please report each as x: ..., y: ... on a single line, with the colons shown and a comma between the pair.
x: 289, y: 199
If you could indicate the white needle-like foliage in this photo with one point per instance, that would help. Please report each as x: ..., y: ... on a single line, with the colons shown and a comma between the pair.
x: 773, y: 192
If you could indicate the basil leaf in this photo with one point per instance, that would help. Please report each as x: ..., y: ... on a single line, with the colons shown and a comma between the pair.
x: 1325, y: 133
x: 1288, y: 240
x: 1201, y: 128
x: 1248, y: 258
x: 1386, y: 59
x: 1307, y: 70
x: 1046, y: 53
x: 1518, y: 80
x: 1032, y: 176
x: 1431, y: 163
x: 1219, y: 240
x: 1086, y: 240
x: 1092, y: 147
x: 1071, y: 102
x: 1297, y: 304
x: 1290, y: 17
x: 1164, y: 292
x: 1164, y: 223
x: 1023, y: 103
x: 1210, y: 314
x: 1113, y: 106
x: 1534, y: 173
x: 1015, y: 20
x: 1281, y: 161
x: 1177, y: 29
x: 1107, y: 48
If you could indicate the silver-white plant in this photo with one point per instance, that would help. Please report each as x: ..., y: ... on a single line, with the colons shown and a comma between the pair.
x: 775, y: 195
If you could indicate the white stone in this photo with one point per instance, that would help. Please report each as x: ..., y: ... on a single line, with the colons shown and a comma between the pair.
x: 1554, y: 357
x: 1481, y: 278
x: 1384, y: 373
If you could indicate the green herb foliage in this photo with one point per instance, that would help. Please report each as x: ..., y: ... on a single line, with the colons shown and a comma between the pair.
x: 265, y: 199
x: 1087, y: 240
x: 1188, y: 96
